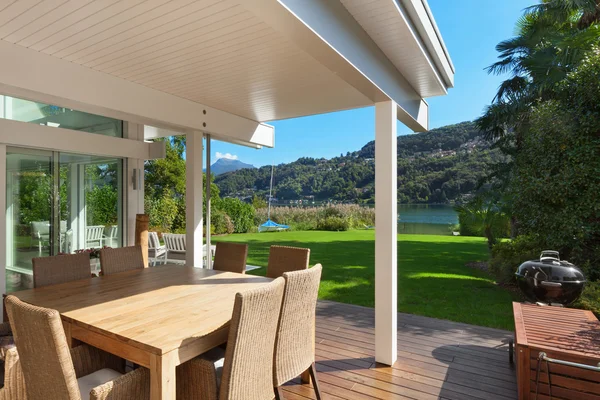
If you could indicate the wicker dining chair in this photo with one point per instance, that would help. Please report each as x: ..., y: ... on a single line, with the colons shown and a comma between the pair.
x: 14, y: 382
x: 7, y: 344
x: 286, y: 259
x: 48, y: 271
x: 60, y: 269
x: 246, y: 371
x: 113, y: 261
x: 294, y: 344
x: 53, y: 371
x: 230, y: 257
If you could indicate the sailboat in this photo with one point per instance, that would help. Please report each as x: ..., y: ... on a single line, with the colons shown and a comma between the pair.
x: 271, y: 226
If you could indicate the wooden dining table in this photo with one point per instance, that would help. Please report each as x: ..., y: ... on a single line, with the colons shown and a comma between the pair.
x: 156, y: 317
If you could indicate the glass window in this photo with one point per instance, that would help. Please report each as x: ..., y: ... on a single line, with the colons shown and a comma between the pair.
x: 59, y: 203
x: 44, y: 114
x: 90, y: 189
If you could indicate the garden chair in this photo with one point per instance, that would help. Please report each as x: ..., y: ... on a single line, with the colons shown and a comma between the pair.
x: 114, y: 261
x: 53, y: 371
x: 245, y: 369
x: 156, y: 251
x: 286, y: 259
x: 60, y: 269
x: 110, y: 235
x: 294, y: 344
x: 40, y: 232
x: 94, y: 236
x: 231, y: 257
x: 175, y: 247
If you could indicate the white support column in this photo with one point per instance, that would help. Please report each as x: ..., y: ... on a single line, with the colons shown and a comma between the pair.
x: 386, y: 229
x: 193, y: 199
x: 77, y: 198
x: 3, y: 227
x: 133, y: 184
x: 208, y: 206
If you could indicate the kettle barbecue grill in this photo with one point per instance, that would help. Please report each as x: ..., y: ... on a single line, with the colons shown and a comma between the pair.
x: 550, y: 280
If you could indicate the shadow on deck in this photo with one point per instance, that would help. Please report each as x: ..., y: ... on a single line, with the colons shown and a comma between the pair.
x: 437, y: 359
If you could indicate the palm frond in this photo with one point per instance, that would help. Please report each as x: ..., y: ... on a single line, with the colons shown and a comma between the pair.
x: 511, y: 88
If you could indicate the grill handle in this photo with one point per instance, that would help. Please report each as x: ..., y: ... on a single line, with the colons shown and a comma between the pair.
x: 550, y: 284
x: 544, y: 357
x: 550, y: 255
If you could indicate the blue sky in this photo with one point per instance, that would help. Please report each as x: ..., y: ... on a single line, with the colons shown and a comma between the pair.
x: 471, y: 30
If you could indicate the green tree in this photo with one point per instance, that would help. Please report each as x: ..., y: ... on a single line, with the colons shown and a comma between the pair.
x: 549, y: 44
x: 258, y: 202
x: 556, y: 178
x: 165, y: 185
x: 101, y: 205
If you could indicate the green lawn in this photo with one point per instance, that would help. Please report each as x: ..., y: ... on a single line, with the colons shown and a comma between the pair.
x: 432, y: 277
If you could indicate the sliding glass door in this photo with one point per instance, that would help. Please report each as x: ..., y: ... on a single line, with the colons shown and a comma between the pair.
x: 29, y: 212
x: 59, y: 203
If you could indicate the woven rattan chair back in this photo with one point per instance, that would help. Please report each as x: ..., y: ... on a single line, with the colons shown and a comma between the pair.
x: 114, y: 261
x: 248, y: 366
x: 231, y: 257
x: 43, y: 351
x: 60, y: 269
x: 286, y: 259
x: 294, y: 347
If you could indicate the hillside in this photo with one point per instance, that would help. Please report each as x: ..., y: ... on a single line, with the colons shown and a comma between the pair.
x: 439, y: 166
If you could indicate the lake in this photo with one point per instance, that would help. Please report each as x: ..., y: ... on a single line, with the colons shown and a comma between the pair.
x: 426, y: 219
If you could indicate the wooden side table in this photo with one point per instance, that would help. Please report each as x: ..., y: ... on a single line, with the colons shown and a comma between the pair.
x: 564, y: 334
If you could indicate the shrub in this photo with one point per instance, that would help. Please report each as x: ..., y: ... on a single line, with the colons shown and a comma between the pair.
x: 508, y: 255
x: 304, y: 219
x: 241, y: 214
x: 590, y: 298
x: 221, y: 222
x: 333, y: 224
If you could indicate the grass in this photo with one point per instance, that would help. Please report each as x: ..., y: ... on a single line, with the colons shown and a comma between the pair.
x: 432, y: 277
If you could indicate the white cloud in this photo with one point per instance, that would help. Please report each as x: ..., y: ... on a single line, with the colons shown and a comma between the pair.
x: 228, y: 156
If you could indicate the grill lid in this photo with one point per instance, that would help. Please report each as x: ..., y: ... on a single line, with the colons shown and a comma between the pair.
x: 550, y: 268
x: 550, y: 279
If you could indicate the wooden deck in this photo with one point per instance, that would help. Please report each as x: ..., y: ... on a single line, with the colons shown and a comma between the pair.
x: 436, y: 359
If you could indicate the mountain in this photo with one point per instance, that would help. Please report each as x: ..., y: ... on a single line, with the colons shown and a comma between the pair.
x: 223, y: 165
x: 443, y: 165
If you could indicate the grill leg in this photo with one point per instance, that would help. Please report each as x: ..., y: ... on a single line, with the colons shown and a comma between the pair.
x: 511, y: 354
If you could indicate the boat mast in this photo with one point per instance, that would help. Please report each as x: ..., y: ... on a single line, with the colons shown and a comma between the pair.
x: 270, y: 190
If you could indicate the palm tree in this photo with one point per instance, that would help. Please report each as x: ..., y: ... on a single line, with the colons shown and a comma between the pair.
x: 484, y: 218
x: 551, y: 41
x: 586, y: 11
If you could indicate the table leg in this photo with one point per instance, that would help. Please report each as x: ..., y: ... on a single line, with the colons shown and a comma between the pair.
x: 162, y: 377
x: 70, y: 341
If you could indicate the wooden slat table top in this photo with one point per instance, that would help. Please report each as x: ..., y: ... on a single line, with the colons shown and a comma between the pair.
x: 156, y: 309
x: 569, y: 330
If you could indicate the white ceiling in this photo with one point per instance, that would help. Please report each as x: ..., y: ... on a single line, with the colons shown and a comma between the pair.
x: 213, y: 52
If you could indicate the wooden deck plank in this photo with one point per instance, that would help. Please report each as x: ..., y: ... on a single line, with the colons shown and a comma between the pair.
x: 437, y: 359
